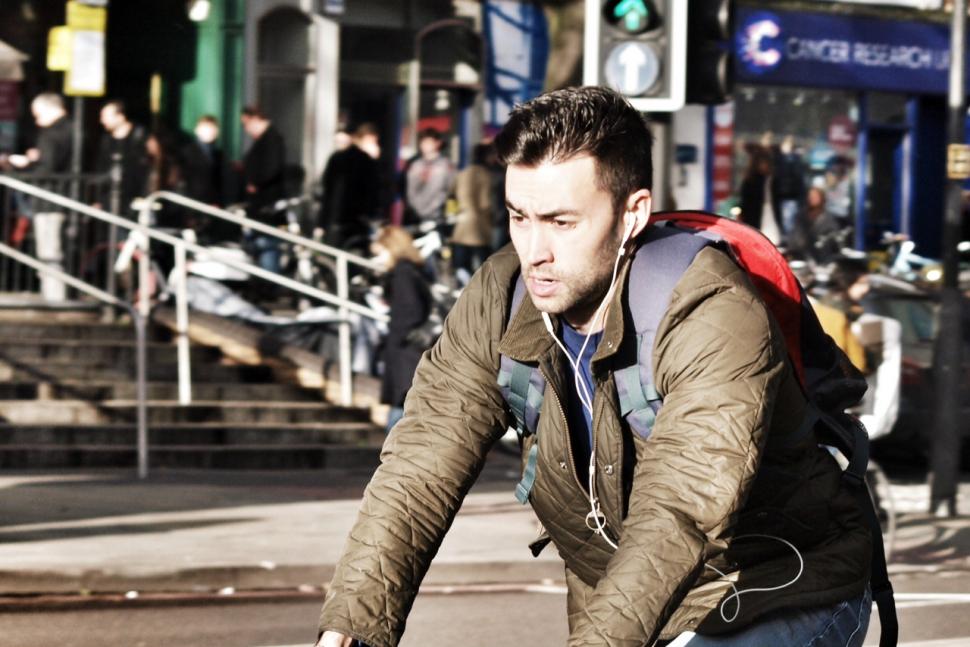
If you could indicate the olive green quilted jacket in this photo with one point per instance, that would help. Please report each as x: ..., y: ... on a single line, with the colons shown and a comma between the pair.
x: 720, y: 482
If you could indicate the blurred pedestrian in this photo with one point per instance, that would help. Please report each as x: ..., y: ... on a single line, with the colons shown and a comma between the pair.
x: 757, y: 202
x: 50, y: 155
x: 165, y: 174
x: 123, y: 143
x: 351, y: 192
x: 838, y: 189
x: 52, y: 152
x: 408, y: 293
x: 789, y: 184
x: 264, y: 166
x: 430, y: 179
x: 817, y: 234
x: 472, y: 239
x: 204, y: 163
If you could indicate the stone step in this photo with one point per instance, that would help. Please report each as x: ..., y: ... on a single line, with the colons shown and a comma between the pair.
x: 65, y: 412
x: 253, y: 457
x: 351, y: 434
x: 18, y: 331
x: 97, y: 352
x: 127, y: 390
x: 166, y: 371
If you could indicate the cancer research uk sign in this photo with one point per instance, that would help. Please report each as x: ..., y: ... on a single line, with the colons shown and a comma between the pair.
x: 825, y: 50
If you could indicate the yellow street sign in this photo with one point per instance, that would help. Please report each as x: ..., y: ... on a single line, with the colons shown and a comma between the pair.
x: 59, y: 49
x: 958, y: 161
x: 85, y: 74
x: 81, y: 17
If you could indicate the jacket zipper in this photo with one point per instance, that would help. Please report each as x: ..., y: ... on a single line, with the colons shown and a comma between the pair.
x: 569, y: 442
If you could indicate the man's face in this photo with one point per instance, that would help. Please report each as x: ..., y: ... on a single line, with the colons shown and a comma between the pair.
x: 566, y: 235
x: 207, y: 132
x: 41, y: 116
x: 110, y: 118
x: 429, y: 147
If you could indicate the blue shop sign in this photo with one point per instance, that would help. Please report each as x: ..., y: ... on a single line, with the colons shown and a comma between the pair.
x: 826, y: 50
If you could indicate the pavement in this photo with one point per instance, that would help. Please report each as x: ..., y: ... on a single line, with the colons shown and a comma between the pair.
x: 90, y: 533
x: 197, y: 532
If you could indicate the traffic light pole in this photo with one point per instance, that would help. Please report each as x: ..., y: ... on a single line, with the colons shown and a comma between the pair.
x: 945, y: 459
x: 662, y: 158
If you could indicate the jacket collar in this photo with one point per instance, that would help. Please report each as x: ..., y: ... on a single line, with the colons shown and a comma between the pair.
x: 527, y: 340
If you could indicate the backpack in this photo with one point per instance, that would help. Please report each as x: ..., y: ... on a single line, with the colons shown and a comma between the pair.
x: 828, y: 380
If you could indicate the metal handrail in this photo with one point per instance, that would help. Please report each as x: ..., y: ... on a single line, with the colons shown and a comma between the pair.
x: 342, y: 301
x: 269, y: 230
x: 139, y: 322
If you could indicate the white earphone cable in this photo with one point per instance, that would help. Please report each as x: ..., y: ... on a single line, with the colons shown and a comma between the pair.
x: 585, y: 397
x: 737, y: 594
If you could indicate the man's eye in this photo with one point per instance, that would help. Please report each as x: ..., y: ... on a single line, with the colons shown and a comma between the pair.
x: 516, y: 218
x: 563, y: 224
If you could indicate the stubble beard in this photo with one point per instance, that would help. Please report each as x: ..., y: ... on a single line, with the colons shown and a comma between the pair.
x: 584, y: 289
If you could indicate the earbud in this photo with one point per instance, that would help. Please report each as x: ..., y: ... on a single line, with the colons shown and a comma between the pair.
x: 631, y: 221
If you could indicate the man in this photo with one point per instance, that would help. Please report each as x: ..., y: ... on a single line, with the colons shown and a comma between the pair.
x: 723, y: 522
x: 430, y: 178
x: 263, y: 173
x: 352, y: 191
x: 123, y: 143
x: 204, y: 163
x: 52, y: 154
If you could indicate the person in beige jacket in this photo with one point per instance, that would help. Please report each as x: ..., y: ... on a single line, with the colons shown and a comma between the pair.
x: 473, y: 232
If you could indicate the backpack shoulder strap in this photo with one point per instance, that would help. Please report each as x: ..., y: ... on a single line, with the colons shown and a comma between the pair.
x: 523, y: 387
x: 658, y: 265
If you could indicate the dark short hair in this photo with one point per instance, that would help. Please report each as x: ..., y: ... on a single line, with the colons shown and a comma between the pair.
x: 118, y: 106
x: 207, y: 119
x: 431, y: 133
x: 563, y: 124
x: 253, y: 111
x: 365, y: 129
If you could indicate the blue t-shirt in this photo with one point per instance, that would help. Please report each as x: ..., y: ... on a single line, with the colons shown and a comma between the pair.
x: 579, y: 419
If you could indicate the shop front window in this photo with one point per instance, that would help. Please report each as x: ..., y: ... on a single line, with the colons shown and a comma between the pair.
x: 789, y: 143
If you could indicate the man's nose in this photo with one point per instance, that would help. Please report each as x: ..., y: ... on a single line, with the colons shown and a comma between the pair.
x: 540, y: 247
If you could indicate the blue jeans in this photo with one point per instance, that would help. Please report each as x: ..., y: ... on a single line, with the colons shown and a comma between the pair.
x: 789, y: 213
x: 395, y: 414
x: 841, y: 625
x: 267, y: 251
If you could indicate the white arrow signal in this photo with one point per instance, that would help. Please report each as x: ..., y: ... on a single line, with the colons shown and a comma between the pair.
x: 632, y: 59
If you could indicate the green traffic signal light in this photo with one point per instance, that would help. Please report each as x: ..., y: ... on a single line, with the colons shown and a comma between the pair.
x: 632, y: 16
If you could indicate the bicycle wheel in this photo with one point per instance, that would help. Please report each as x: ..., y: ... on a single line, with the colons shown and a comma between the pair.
x: 879, y: 490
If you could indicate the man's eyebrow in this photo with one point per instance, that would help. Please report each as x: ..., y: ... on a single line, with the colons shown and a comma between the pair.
x: 555, y: 213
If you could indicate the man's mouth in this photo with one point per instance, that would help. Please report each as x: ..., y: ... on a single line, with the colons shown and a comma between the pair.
x: 542, y: 287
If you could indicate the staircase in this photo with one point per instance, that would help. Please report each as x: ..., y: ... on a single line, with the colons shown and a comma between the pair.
x: 68, y: 399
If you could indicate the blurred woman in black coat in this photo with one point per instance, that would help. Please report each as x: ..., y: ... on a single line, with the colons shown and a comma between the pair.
x: 407, y: 291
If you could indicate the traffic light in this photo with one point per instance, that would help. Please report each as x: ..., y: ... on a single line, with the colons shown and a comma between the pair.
x: 639, y: 48
x: 710, y: 70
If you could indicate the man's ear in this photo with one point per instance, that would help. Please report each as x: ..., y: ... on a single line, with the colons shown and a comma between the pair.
x: 638, y: 207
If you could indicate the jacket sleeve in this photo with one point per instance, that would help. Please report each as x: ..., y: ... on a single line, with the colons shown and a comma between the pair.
x: 453, y: 414
x: 719, y: 362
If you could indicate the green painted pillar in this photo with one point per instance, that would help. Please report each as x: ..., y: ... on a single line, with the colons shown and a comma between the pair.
x: 217, y: 88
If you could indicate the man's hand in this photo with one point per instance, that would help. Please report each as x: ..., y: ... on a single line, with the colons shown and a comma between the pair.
x: 334, y: 639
